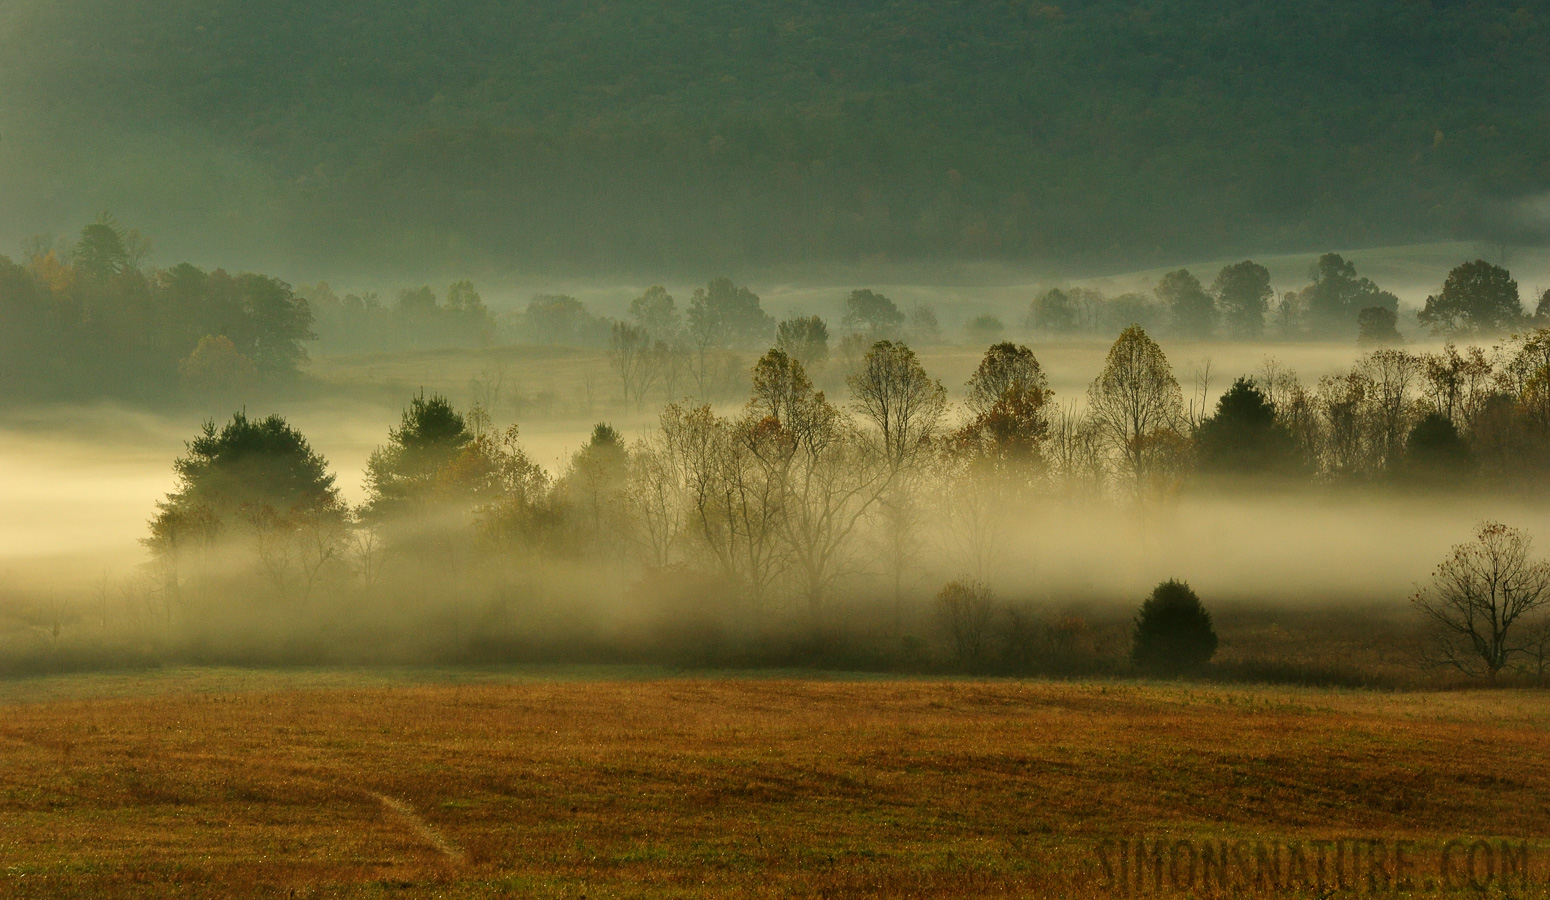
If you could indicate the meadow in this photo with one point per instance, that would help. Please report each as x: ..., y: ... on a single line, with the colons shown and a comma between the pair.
x: 638, y: 783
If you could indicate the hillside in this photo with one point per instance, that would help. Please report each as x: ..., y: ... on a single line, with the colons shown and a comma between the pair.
x: 684, y: 134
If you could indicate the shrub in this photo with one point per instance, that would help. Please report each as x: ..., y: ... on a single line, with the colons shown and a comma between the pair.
x: 965, y: 609
x: 1173, y: 632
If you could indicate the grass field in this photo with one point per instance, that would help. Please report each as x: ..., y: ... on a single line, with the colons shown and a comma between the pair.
x: 633, y: 783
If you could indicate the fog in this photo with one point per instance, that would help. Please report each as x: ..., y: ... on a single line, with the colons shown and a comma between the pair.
x: 82, y: 483
x: 983, y: 467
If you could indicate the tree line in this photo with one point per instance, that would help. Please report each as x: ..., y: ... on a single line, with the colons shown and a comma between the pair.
x: 787, y: 508
x: 88, y: 318
x: 1477, y: 299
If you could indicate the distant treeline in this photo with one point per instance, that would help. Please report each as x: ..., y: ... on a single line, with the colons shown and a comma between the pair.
x: 89, y: 319
x: 645, y: 135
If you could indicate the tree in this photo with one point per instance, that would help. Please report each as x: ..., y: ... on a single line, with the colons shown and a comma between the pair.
x: 519, y: 507
x: 216, y: 368
x: 1173, y: 633
x: 1191, y: 311
x: 656, y: 498
x: 561, y: 320
x: 733, y: 498
x: 1377, y: 326
x: 723, y: 314
x: 1476, y: 299
x: 244, y: 466
x: 1435, y: 455
x: 463, y: 299
x: 1005, y: 369
x: 893, y: 392
x: 629, y: 352
x: 1350, y: 445
x: 466, y: 313
x: 805, y: 339
x: 872, y: 313
x: 827, y: 477
x: 1525, y: 374
x: 656, y: 312
x: 904, y: 406
x: 996, y: 458
x: 262, y: 475
x: 1007, y: 401
x: 1243, y: 292
x: 594, y: 488
x: 923, y: 329
x: 1390, y: 376
x: 1135, y: 398
x: 1458, y: 384
x: 102, y: 250
x: 984, y: 329
x: 417, y: 306
x: 1244, y: 437
x: 1337, y: 297
x: 1480, y: 600
x: 1130, y: 308
x: 402, y: 476
x: 278, y: 323
x: 781, y: 388
x: 1053, y: 312
x: 965, y: 608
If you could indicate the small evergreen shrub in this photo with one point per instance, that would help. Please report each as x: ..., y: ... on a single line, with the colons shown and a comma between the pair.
x: 1173, y: 632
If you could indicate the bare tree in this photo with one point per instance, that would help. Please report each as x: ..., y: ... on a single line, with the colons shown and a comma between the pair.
x: 893, y: 392
x: 1349, y: 446
x: 1392, y: 374
x: 1525, y: 373
x: 322, y: 536
x: 628, y: 349
x: 656, y: 498
x: 366, y: 550
x: 1134, y: 398
x: 1456, y: 384
x: 1478, y: 594
x: 733, y: 498
x: 1075, y: 453
x: 676, y: 365
x: 655, y: 363
x: 1296, y: 407
x: 974, y: 510
x: 1199, y: 399
x: 828, y: 477
x: 486, y: 387
x: 904, y: 406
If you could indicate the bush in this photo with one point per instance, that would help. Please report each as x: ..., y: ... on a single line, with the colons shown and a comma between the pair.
x: 1173, y: 632
x: 965, y: 608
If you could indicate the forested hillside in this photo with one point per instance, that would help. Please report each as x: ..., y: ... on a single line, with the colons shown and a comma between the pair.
x: 649, y: 134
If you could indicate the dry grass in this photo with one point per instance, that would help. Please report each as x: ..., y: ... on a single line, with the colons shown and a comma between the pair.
x: 728, y: 787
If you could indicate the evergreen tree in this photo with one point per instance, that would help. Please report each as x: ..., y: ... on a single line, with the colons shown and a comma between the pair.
x: 1173, y: 633
x: 1243, y: 437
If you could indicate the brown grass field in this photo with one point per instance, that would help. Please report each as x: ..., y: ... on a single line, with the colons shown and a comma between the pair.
x: 213, y: 783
